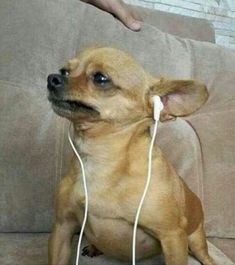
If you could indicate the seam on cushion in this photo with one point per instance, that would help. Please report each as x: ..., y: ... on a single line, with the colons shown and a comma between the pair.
x: 213, y: 231
x: 200, y: 166
x: 198, y: 157
x: 219, y: 252
x: 192, y: 57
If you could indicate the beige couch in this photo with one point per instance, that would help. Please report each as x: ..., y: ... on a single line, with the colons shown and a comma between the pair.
x: 36, y: 39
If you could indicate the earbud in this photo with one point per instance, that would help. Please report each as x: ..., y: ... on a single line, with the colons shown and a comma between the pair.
x: 157, y: 107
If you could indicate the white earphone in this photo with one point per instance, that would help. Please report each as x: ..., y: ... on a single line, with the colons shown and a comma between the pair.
x: 157, y: 108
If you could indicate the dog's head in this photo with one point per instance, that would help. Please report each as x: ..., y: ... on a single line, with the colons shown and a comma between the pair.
x: 105, y: 84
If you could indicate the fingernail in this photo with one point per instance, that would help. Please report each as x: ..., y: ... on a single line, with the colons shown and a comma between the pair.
x: 135, y: 25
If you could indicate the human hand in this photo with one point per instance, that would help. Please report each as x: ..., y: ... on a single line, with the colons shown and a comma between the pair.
x: 120, y: 10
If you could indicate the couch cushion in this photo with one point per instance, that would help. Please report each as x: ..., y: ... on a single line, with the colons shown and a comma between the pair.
x: 182, y: 26
x: 227, y: 245
x: 27, y: 59
x: 31, y: 249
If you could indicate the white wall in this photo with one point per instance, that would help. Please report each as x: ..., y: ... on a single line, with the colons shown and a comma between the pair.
x: 220, y: 12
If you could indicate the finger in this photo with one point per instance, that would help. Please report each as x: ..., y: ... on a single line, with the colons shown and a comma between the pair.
x: 118, y: 8
x: 126, y: 16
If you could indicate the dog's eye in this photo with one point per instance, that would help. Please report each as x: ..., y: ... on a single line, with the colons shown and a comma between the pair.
x: 64, y: 72
x: 101, y: 80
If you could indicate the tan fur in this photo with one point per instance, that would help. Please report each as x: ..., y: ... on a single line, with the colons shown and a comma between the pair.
x: 114, y: 147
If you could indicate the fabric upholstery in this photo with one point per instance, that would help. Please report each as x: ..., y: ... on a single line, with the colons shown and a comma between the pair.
x: 181, y: 26
x: 39, y: 36
x: 225, y: 244
x: 31, y: 249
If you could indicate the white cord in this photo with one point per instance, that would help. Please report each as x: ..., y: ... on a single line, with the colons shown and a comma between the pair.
x: 158, y: 106
x: 86, y: 196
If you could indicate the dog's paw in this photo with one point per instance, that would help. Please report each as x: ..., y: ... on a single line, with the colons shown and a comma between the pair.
x: 91, y: 251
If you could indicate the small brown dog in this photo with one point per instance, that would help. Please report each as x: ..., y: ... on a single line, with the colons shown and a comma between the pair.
x: 107, y: 96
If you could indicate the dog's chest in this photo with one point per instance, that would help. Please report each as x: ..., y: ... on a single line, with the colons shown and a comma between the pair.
x: 102, y: 202
x: 106, y: 227
x: 111, y: 193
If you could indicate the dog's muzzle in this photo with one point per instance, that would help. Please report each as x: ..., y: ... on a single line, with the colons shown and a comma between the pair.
x: 56, y: 85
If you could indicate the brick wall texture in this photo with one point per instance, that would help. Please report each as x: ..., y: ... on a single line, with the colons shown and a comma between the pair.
x: 220, y: 12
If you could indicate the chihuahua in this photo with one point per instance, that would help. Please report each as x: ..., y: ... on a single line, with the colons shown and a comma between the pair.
x: 107, y: 95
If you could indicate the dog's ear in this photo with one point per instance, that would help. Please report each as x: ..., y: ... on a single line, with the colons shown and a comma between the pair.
x: 179, y: 97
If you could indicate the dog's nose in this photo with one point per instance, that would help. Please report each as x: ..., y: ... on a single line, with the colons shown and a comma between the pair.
x: 55, y: 82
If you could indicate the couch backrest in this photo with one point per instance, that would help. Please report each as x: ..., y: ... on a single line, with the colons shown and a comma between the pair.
x: 182, y: 26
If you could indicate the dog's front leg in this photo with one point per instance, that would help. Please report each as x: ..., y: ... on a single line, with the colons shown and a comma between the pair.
x: 175, y: 247
x: 59, y: 248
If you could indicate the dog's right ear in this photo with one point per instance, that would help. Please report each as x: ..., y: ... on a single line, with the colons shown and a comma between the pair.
x: 179, y: 97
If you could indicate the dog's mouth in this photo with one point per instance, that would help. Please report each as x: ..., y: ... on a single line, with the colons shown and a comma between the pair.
x: 73, y: 106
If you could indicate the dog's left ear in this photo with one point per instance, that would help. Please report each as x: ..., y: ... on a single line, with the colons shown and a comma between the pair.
x: 179, y: 97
